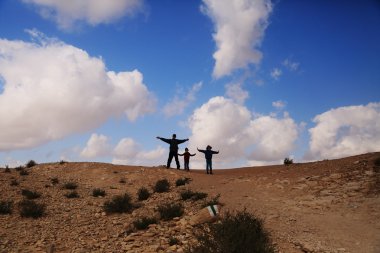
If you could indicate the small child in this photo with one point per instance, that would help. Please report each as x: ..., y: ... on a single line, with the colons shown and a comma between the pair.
x: 208, y: 155
x: 186, y: 158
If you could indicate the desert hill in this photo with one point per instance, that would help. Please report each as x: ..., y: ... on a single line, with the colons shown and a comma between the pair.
x: 324, y: 206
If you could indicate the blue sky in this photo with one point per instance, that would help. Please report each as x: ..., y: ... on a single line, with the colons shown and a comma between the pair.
x: 258, y: 80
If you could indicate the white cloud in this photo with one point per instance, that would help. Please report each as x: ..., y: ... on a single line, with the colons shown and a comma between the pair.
x: 94, y: 12
x: 231, y: 128
x: 127, y: 151
x: 345, y: 131
x: 97, y: 146
x: 236, y: 92
x: 279, y: 104
x: 290, y: 65
x: 276, y: 73
x: 239, y: 29
x: 178, y: 105
x: 52, y: 90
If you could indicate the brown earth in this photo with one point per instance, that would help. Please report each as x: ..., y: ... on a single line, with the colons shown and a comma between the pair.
x: 325, y: 206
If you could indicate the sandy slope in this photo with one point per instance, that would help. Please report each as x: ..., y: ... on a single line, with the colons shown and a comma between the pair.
x: 326, y: 206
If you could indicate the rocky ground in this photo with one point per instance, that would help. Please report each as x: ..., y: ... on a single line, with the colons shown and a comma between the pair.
x: 325, y: 206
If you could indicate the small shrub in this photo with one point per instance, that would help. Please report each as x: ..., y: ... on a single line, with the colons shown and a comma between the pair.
x: 70, y: 186
x: 6, y: 207
x: 239, y: 233
x: 173, y: 240
x: 54, y: 180
x: 19, y: 168
x: 188, y: 194
x: 31, y: 209
x: 7, y: 169
x: 119, y: 204
x: 14, y: 182
x: 71, y: 195
x: 169, y: 211
x: 143, y: 194
x: 144, y: 223
x: 98, y: 192
x: 288, y: 161
x: 23, y: 172
x: 30, y: 194
x: 31, y: 164
x: 211, y: 202
x: 162, y: 186
x: 182, y: 181
x: 377, y: 162
x: 62, y: 162
x: 122, y: 181
x: 199, y: 196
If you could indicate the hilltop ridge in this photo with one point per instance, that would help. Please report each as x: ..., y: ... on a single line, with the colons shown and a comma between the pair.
x: 324, y: 206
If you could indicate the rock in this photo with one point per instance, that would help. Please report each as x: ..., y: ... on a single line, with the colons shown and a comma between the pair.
x: 207, y: 214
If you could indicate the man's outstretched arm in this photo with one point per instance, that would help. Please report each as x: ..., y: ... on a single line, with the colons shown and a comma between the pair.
x: 182, y: 141
x: 163, y: 139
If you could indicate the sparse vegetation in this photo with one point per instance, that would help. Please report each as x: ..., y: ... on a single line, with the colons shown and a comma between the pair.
x: 162, y: 185
x: 143, y: 223
x: 173, y: 240
x: 62, y: 162
x: 119, y: 204
x: 235, y: 233
x: 72, y: 194
x: 182, y: 181
x: 14, y: 182
x: 212, y: 201
x: 143, y: 194
x: 7, y: 169
x: 288, y: 161
x: 376, y: 162
x: 169, y: 211
x: 189, y: 194
x: 70, y: 186
x: 122, y: 181
x: 6, y: 207
x: 30, y: 194
x: 98, y: 192
x: 31, y: 164
x: 31, y: 209
x: 54, y: 180
x: 19, y: 168
x: 23, y: 172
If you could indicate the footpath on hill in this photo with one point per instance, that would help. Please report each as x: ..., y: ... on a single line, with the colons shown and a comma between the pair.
x: 326, y: 206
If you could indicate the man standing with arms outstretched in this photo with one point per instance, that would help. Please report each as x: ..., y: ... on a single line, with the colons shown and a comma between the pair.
x: 173, y: 149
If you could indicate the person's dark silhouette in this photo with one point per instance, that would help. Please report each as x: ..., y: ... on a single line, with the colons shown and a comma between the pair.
x: 208, y: 155
x: 173, y: 149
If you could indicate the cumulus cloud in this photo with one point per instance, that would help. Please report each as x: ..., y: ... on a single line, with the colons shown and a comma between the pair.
x: 236, y: 92
x: 279, y: 104
x: 239, y: 29
x: 52, y: 89
x: 128, y: 151
x: 179, y: 104
x: 94, y: 12
x: 345, y: 131
x: 232, y: 128
x: 97, y: 146
x: 276, y: 73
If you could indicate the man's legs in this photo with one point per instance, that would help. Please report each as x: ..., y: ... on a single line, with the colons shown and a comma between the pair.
x: 207, y: 165
x: 169, y: 160
x: 177, y: 161
x: 186, y: 165
x: 210, y: 165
